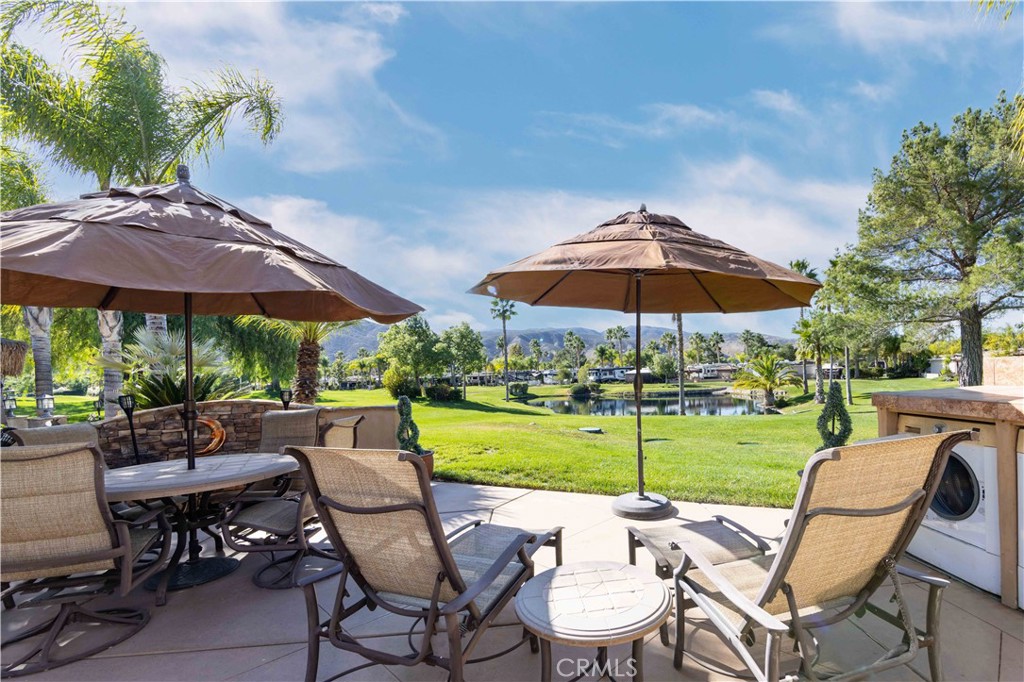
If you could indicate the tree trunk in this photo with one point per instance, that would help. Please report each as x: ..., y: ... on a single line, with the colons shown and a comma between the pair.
x: 970, y: 369
x: 682, y: 365
x: 39, y: 321
x: 803, y: 373
x: 463, y: 385
x: 769, y: 397
x: 156, y: 323
x: 819, y: 380
x: 504, y: 348
x: 846, y: 371
x: 307, y: 365
x: 111, y: 324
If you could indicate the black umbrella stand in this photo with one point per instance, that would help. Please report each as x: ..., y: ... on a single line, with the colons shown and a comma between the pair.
x: 640, y: 505
x: 197, y: 514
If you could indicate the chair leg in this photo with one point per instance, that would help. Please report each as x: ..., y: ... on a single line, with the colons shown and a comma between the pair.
x: 677, y: 656
x: 312, y: 633
x: 455, y: 662
x: 44, y: 656
x: 932, y: 631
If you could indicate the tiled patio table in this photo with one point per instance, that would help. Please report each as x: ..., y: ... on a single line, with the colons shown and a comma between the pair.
x: 594, y: 604
x: 165, y: 480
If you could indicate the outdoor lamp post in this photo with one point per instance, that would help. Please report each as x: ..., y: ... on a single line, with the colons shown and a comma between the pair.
x: 286, y: 397
x: 44, y: 405
x: 127, y: 403
x: 10, y: 404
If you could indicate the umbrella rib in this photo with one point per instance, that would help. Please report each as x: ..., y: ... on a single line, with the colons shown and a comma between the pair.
x: 549, y: 289
x: 259, y: 305
x: 705, y: 289
x: 108, y: 298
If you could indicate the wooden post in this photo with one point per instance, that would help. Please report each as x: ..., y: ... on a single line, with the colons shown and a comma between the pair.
x: 1009, y: 533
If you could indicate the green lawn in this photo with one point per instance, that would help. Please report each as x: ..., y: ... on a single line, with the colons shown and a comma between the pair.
x: 749, y: 460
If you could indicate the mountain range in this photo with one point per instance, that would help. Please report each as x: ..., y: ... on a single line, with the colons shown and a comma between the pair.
x: 363, y: 334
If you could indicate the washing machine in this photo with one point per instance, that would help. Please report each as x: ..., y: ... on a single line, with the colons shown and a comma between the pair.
x: 960, y: 532
x: 1020, y: 518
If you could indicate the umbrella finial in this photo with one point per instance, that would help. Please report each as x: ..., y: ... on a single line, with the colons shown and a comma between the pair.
x: 183, y: 174
x: 643, y: 208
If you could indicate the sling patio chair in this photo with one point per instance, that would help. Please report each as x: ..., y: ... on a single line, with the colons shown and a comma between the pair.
x: 378, y: 510
x: 282, y: 524
x: 61, y: 544
x: 857, y: 509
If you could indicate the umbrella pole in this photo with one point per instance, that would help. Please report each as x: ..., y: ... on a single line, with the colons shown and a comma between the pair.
x: 637, y: 387
x: 189, y: 414
x: 641, y: 504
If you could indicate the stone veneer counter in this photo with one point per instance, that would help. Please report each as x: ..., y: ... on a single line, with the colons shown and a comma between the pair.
x: 984, y: 403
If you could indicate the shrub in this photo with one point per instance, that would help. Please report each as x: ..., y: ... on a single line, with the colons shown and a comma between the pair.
x: 398, y: 383
x: 834, y: 423
x: 442, y: 393
x: 518, y: 388
x: 408, y: 433
x: 580, y: 390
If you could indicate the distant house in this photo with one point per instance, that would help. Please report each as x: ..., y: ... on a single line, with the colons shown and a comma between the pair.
x: 720, y: 371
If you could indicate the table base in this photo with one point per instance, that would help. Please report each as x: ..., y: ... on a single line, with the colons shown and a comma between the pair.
x: 192, y: 573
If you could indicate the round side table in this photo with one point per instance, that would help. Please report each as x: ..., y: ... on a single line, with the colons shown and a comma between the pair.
x: 593, y: 604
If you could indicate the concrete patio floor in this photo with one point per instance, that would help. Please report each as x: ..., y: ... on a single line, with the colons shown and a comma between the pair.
x: 232, y: 630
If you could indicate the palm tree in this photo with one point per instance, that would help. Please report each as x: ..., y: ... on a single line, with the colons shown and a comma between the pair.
x: 699, y: 344
x: 119, y: 121
x: 503, y: 310
x: 617, y: 335
x: 812, y: 342
x: 681, y: 361
x: 667, y: 341
x: 802, y: 266
x: 768, y: 373
x: 604, y: 353
x: 536, y: 352
x: 715, y: 342
x: 310, y: 336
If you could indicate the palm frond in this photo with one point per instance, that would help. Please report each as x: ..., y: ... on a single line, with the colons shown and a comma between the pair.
x: 297, y: 332
x: 203, y: 113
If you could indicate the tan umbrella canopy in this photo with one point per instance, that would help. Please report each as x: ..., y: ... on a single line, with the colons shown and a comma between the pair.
x: 645, y: 262
x: 177, y: 249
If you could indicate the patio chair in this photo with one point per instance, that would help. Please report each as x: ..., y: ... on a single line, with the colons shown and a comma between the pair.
x: 61, y: 543
x: 281, y: 524
x: 856, y: 511
x: 379, y: 514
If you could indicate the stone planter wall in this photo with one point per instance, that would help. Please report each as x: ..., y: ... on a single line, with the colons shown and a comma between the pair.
x: 161, y: 437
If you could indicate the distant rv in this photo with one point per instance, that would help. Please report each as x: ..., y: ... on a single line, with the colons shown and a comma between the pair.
x: 605, y: 374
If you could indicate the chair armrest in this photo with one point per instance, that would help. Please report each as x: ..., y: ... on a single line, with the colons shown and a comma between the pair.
x: 742, y: 530
x: 517, y: 546
x: 927, y: 578
x: 321, y: 575
x: 735, y: 597
x: 463, y: 527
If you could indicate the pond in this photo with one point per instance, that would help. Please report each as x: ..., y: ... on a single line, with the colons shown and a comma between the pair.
x: 719, y: 405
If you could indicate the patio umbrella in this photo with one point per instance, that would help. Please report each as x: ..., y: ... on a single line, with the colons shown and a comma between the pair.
x: 645, y: 262
x: 176, y: 249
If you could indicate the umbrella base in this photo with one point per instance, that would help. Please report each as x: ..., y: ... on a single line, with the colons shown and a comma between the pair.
x: 646, y: 507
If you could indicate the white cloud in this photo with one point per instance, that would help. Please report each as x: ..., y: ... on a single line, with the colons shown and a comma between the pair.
x: 930, y: 27
x: 873, y: 92
x: 781, y: 101
x: 658, y: 121
x: 324, y: 69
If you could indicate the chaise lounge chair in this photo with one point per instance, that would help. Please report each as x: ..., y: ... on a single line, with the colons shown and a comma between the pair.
x: 379, y: 514
x: 856, y: 511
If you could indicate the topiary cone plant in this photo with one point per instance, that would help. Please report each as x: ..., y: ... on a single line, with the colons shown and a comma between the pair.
x: 834, y: 415
x: 409, y: 434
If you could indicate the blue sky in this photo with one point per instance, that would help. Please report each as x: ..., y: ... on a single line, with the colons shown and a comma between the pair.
x: 427, y: 143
